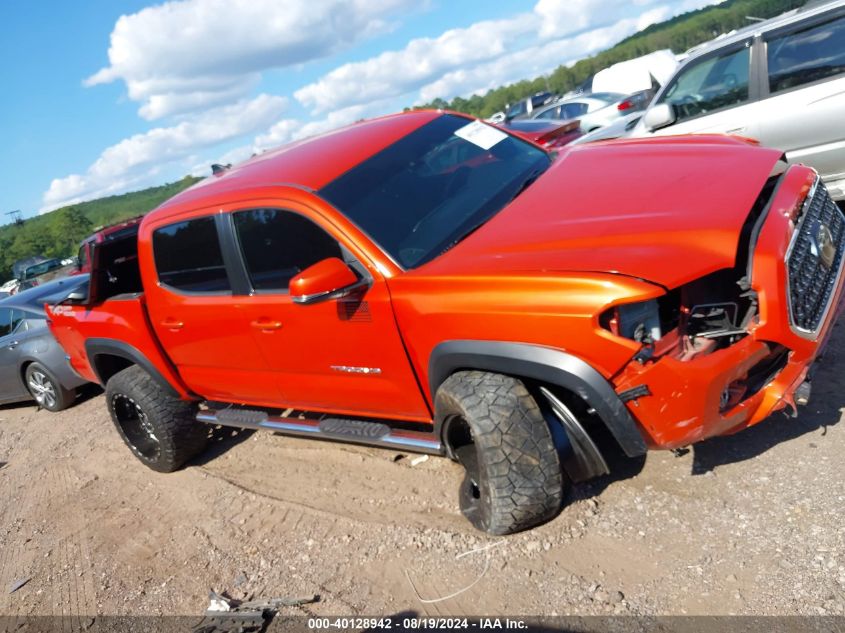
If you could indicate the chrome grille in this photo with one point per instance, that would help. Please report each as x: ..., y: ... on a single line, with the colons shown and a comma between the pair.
x: 814, y: 261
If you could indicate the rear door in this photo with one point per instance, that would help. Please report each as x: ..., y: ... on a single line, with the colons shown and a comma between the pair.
x: 11, y: 386
x: 715, y: 94
x: 805, y: 83
x: 198, y: 316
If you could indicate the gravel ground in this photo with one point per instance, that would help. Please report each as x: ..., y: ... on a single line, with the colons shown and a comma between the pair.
x: 748, y: 524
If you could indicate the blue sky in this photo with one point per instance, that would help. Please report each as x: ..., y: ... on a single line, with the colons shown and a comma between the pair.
x: 104, y: 97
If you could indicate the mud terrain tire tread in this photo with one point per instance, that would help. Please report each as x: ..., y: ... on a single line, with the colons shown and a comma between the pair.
x: 518, y: 464
x: 180, y: 435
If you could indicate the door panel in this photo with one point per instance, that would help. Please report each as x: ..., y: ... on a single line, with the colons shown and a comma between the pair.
x: 806, y: 81
x: 714, y: 95
x: 816, y: 136
x: 199, y: 321
x: 342, y: 355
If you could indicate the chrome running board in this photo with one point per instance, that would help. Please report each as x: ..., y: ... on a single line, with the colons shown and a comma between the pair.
x: 369, y: 433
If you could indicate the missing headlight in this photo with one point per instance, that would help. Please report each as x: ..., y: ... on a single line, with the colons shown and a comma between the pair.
x: 640, y: 321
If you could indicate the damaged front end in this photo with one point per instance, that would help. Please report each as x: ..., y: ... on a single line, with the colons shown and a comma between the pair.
x: 722, y: 352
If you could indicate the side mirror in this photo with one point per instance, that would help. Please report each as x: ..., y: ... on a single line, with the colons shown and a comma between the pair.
x: 327, y: 279
x: 659, y: 116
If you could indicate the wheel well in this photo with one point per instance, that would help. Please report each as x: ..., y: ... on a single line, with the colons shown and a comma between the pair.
x: 107, y: 365
x: 24, y: 366
x: 455, y: 432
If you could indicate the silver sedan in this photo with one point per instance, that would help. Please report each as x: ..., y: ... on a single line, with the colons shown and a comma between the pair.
x: 33, y: 366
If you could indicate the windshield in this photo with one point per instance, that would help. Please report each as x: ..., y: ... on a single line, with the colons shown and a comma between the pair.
x: 423, y: 194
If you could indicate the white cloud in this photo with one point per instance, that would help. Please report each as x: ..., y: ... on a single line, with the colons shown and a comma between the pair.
x: 188, y: 54
x: 288, y: 130
x: 394, y: 73
x: 200, y: 55
x: 138, y: 157
x: 488, y: 53
x: 526, y: 63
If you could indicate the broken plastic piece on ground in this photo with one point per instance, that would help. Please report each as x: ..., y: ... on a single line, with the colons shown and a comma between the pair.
x: 226, y: 615
x: 217, y: 602
x: 419, y: 460
x: 18, y: 584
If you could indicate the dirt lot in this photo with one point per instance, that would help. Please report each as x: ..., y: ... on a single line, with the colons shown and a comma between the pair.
x: 749, y: 524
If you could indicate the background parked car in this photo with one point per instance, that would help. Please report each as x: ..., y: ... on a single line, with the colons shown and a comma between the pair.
x: 523, y: 108
x: 549, y: 134
x: 45, y: 271
x: 10, y: 287
x: 594, y: 110
x: 620, y: 128
x: 32, y: 364
x: 781, y: 81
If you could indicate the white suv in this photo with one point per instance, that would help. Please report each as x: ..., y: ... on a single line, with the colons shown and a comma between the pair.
x: 781, y: 81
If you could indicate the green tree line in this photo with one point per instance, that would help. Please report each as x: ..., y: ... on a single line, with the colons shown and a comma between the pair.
x: 678, y: 34
x: 58, y: 233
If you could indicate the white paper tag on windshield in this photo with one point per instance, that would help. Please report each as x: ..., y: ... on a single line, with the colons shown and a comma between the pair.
x: 481, y: 134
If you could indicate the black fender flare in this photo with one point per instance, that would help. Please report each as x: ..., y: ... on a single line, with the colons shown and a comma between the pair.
x: 547, y: 365
x: 106, y: 346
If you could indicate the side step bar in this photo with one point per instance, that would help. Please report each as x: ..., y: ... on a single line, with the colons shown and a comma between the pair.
x: 325, y: 428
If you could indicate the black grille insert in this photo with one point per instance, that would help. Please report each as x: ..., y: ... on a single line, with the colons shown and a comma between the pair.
x: 814, y: 260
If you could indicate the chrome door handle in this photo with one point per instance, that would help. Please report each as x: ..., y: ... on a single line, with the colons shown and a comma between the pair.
x: 266, y: 325
x: 172, y: 325
x: 13, y: 344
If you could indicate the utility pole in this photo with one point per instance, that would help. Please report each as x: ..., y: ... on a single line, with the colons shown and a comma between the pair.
x: 17, y: 216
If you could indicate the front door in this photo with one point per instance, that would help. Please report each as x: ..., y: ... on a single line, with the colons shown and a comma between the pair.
x: 340, y: 355
x: 714, y: 95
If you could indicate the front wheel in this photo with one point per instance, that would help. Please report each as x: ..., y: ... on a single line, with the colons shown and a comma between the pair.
x: 513, y: 476
x: 159, y: 429
x: 46, y: 390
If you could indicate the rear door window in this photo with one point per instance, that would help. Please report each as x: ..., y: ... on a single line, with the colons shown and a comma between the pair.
x: 277, y: 245
x: 807, y: 55
x: 5, y: 322
x: 710, y: 84
x: 188, y: 257
x: 551, y: 113
x: 574, y: 110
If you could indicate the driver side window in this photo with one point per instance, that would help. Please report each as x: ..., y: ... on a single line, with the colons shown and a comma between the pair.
x: 277, y: 245
x: 709, y: 85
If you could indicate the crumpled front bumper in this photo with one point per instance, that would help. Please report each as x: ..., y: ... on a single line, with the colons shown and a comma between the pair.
x: 686, y: 401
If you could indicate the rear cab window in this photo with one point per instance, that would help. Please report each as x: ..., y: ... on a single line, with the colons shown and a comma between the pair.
x: 188, y: 257
x: 806, y: 55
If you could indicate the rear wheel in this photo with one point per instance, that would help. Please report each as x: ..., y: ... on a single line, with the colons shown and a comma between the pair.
x: 160, y: 429
x: 513, y: 476
x: 47, y: 391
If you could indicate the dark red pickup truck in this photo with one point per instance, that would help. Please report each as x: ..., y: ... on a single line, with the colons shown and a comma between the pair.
x: 431, y: 283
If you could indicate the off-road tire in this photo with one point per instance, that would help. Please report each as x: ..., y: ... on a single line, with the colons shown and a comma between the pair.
x: 160, y: 429
x: 514, y: 478
x: 54, y: 397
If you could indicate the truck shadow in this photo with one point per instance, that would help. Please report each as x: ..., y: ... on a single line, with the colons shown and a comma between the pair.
x: 221, y: 439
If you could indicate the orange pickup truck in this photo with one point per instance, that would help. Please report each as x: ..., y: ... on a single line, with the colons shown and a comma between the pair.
x: 428, y: 282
